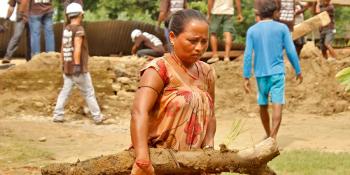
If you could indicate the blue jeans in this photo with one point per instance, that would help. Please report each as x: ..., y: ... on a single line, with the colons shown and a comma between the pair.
x: 35, y: 22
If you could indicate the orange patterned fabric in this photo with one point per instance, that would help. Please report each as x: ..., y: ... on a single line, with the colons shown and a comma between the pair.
x: 179, y: 119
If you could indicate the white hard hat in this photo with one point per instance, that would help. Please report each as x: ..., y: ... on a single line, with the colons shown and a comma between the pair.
x: 135, y: 33
x: 74, y: 9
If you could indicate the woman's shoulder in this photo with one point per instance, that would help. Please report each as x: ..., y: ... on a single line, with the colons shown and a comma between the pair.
x: 205, y: 66
x: 158, y: 64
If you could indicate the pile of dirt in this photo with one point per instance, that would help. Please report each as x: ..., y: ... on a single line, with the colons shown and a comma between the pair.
x: 319, y: 93
x: 32, y: 88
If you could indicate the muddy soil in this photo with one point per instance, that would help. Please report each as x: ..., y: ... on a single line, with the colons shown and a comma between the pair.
x: 316, y: 115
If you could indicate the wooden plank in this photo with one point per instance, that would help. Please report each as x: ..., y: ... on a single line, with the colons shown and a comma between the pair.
x: 232, y: 54
x: 335, y: 2
x: 247, y: 161
x: 310, y: 25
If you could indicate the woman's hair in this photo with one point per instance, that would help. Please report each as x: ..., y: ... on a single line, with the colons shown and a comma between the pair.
x: 179, y: 20
x: 267, y: 8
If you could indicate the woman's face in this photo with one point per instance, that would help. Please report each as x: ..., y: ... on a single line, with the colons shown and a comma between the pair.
x: 190, y: 45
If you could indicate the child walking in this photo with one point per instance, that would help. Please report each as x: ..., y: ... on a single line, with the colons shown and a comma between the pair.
x: 74, y: 55
x: 327, y: 32
x: 267, y: 39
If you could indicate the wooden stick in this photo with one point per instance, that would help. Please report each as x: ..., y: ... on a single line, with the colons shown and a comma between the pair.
x: 165, y: 161
x: 310, y: 25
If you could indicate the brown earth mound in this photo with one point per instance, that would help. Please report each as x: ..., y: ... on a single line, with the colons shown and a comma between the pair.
x: 32, y: 88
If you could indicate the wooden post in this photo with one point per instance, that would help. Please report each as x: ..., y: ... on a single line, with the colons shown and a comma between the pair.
x: 248, y: 161
x: 310, y: 25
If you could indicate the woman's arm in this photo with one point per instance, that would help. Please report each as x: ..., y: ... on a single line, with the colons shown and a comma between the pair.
x: 146, y: 96
x: 209, y: 138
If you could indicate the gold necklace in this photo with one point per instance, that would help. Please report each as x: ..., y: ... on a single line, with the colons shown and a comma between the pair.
x: 178, y: 62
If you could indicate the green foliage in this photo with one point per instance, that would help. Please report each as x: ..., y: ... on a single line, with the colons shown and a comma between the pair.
x: 236, y: 129
x: 18, y: 151
x: 249, y: 20
x: 147, y: 11
x: 307, y: 162
x: 135, y: 8
x: 342, y: 16
x: 343, y: 77
x: 199, y: 5
x: 59, y: 11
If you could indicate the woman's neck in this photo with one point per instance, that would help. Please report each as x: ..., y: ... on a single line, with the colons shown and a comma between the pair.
x: 185, y: 64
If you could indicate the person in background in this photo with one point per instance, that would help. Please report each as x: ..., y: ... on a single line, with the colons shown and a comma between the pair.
x: 268, y: 38
x: 166, y: 9
x: 327, y: 32
x: 74, y: 56
x: 300, y: 8
x: 146, y: 44
x: 41, y: 12
x: 286, y: 13
x: 174, y: 105
x: 21, y: 25
x: 220, y: 14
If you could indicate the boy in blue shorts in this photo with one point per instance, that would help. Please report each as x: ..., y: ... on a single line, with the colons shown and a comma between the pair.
x: 267, y: 39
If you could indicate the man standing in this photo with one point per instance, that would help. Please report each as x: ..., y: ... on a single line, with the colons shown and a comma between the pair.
x: 286, y: 13
x: 166, y: 9
x: 267, y: 39
x: 220, y: 14
x: 20, y: 25
x: 41, y: 12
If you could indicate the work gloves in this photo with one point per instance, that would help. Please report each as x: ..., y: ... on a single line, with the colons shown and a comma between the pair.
x: 21, y: 16
x: 76, y: 69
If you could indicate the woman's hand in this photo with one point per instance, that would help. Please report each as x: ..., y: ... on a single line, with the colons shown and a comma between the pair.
x: 142, y: 169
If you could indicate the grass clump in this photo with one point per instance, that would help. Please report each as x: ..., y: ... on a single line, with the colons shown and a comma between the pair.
x: 309, y: 162
x: 21, y: 153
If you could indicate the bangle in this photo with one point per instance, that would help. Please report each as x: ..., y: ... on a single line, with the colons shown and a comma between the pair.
x: 208, y: 147
x: 143, y: 163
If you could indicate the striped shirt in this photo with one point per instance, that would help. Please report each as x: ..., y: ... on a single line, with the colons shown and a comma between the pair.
x: 287, y: 10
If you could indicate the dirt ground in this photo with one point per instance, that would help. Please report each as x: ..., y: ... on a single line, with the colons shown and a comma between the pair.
x: 316, y: 116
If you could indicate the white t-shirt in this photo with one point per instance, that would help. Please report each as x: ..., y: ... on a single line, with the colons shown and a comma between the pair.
x: 223, y: 7
x: 156, y: 41
x: 176, y: 5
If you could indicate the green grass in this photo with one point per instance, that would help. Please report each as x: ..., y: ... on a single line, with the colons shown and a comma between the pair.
x: 21, y: 153
x: 309, y: 162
